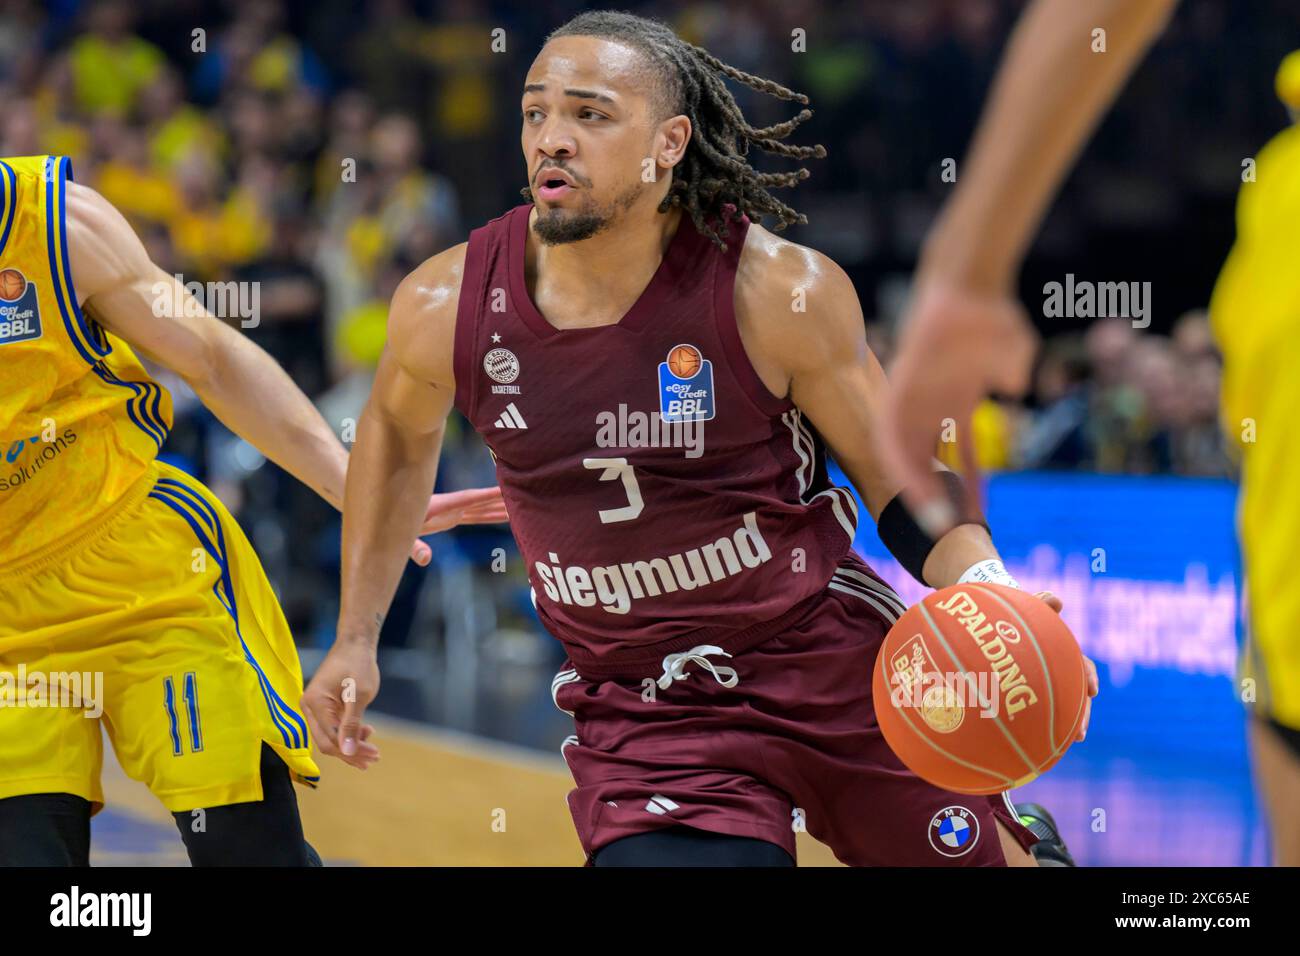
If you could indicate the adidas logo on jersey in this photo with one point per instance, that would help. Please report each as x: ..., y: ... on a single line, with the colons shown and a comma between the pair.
x: 511, y: 418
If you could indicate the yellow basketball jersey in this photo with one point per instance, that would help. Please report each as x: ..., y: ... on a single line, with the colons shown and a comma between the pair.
x: 80, y: 419
x: 1255, y: 313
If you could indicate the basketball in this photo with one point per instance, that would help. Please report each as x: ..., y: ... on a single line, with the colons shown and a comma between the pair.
x: 684, y: 361
x: 12, y: 284
x: 979, y: 688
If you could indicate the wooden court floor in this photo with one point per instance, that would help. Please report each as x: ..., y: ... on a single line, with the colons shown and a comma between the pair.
x: 435, y: 799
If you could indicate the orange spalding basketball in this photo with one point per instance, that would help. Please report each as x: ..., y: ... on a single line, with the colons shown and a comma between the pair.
x: 684, y: 361
x: 979, y: 688
x: 12, y: 284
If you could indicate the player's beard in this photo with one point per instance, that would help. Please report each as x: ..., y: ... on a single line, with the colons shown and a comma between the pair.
x: 556, y: 226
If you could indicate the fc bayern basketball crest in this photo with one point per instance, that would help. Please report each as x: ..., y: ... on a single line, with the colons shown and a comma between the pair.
x: 502, y: 366
x: 20, y: 316
x: 686, y: 386
x: 954, y: 831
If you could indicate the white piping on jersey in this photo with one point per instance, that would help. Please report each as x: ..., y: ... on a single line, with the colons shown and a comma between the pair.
x: 871, y: 584
x: 806, y: 449
x: 877, y: 600
x: 675, y: 666
x: 1011, y: 807
x: 794, y: 421
x: 850, y: 527
x: 884, y: 612
x: 560, y: 679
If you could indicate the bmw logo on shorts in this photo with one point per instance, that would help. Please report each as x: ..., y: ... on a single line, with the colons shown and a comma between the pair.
x: 954, y: 831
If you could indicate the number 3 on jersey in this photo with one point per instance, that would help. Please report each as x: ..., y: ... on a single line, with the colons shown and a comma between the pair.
x: 618, y: 468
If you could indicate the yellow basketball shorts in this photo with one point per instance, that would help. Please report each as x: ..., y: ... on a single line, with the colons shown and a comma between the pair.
x: 157, y: 623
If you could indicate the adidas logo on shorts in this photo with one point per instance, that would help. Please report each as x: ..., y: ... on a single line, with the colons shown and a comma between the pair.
x: 660, y: 804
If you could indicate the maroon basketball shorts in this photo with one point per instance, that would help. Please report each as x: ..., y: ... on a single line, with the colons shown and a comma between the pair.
x: 778, y: 737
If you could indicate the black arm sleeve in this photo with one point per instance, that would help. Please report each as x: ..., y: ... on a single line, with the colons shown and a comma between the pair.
x: 906, y: 540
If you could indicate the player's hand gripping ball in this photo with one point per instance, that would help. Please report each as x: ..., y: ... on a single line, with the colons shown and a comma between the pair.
x: 980, y: 688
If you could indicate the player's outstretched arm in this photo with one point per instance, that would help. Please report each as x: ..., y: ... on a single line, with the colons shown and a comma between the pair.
x: 243, y: 386
x: 965, y: 336
x: 394, y: 462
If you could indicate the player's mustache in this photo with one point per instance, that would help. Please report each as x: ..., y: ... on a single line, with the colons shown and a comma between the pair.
x: 579, y: 179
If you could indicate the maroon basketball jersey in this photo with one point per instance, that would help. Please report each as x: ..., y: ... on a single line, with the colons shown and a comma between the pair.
x: 658, y: 491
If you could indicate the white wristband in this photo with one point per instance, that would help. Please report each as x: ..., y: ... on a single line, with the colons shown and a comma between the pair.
x: 989, y: 571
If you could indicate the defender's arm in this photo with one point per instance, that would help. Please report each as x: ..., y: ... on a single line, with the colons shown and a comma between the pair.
x: 253, y: 396
x: 244, y: 387
x: 1051, y: 91
x: 965, y: 336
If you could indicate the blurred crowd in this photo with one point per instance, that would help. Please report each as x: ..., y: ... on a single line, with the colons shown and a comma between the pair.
x: 324, y: 149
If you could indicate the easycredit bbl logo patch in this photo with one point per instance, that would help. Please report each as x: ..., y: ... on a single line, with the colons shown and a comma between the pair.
x: 20, y: 318
x: 686, y: 386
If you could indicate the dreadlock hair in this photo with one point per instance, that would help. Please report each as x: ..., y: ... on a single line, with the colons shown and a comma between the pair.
x: 713, y: 172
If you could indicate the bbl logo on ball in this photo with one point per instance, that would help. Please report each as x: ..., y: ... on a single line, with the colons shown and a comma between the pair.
x: 501, y: 365
x: 686, y: 386
x: 942, y: 708
x: 954, y: 831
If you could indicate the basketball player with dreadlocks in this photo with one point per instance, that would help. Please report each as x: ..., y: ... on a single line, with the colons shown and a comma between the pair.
x: 657, y: 377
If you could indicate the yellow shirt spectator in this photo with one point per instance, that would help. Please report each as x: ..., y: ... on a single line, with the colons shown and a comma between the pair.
x: 186, y: 129
x: 216, y: 239
x: 108, y: 76
x: 138, y: 193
